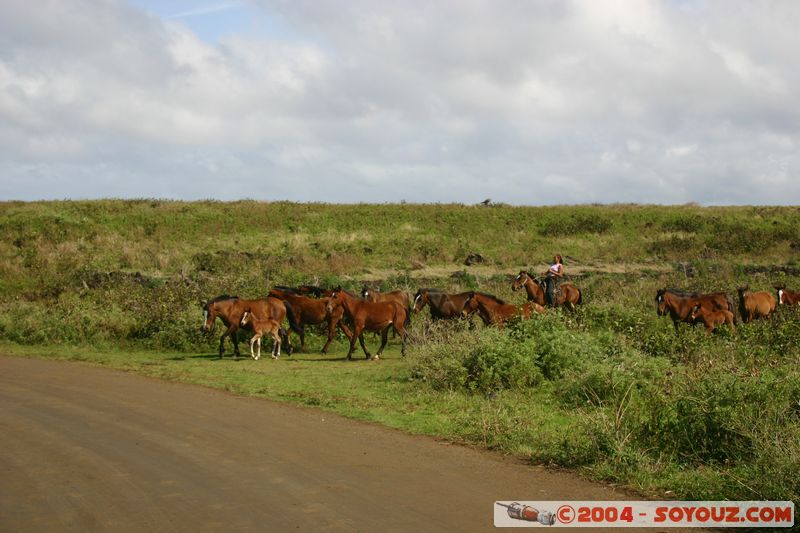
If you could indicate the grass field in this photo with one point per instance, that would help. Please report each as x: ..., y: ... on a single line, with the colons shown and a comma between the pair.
x: 611, y: 391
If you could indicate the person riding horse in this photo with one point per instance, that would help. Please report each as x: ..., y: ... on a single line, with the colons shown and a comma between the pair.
x: 552, y: 278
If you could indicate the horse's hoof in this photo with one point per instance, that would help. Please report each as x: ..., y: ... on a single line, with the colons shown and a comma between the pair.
x: 376, y: 358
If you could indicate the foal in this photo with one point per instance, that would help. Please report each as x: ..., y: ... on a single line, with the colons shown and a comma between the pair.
x: 712, y: 319
x: 260, y: 327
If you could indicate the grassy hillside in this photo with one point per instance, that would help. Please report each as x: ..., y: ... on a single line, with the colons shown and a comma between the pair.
x: 610, y: 390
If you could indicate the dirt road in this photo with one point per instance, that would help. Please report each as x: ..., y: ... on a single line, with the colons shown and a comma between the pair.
x: 90, y: 449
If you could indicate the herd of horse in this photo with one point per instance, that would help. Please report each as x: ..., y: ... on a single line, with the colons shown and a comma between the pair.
x: 375, y: 311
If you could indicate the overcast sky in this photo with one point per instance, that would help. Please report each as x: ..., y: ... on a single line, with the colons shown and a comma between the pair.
x: 525, y: 102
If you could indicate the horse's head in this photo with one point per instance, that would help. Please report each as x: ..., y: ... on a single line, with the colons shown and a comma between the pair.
x: 420, y: 299
x: 743, y: 291
x: 519, y: 281
x: 470, y: 305
x: 335, y: 299
x: 780, y: 289
x: 365, y: 292
x: 661, y: 302
x: 696, y: 311
x: 209, y: 316
x: 247, y: 317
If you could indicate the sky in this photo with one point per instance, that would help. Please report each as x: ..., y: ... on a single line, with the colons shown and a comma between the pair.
x: 526, y: 102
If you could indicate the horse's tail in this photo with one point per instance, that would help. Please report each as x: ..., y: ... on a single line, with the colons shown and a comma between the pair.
x: 297, y: 328
x: 580, y: 296
x: 732, y: 308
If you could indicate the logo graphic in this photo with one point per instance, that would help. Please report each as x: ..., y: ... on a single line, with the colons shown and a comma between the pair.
x: 527, y: 513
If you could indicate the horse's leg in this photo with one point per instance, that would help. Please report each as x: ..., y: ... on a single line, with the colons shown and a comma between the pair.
x: 235, y: 340
x: 384, y: 340
x: 252, y: 353
x: 402, y: 332
x: 356, y: 335
x: 331, y: 332
x: 227, y: 333
x: 344, y: 328
x: 360, y: 336
x: 302, y: 336
x: 276, y: 346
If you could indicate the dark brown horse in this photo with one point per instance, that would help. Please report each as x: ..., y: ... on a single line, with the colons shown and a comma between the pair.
x: 494, y: 311
x: 370, y: 316
x: 441, y: 304
x: 230, y: 310
x: 570, y: 294
x: 310, y: 312
x: 679, y: 304
x: 752, y: 305
x: 787, y: 297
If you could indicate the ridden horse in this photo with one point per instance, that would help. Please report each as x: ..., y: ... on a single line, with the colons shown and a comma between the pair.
x: 230, y: 310
x: 712, y: 319
x: 441, y: 304
x: 755, y: 304
x: 312, y: 311
x: 570, y: 294
x: 494, y: 311
x: 370, y: 316
x: 787, y: 297
x: 679, y: 304
x: 261, y: 326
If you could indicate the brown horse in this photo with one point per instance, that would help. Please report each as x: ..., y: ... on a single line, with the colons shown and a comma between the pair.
x: 312, y: 311
x: 260, y: 326
x: 494, y: 311
x: 752, y: 305
x: 441, y: 304
x: 230, y: 310
x: 787, y: 297
x: 372, y: 295
x: 570, y: 294
x: 679, y: 304
x: 712, y: 319
x: 370, y: 316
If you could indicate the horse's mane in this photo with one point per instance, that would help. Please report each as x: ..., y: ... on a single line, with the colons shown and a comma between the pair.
x: 492, y: 296
x: 221, y: 298
x: 284, y: 288
x: 688, y: 294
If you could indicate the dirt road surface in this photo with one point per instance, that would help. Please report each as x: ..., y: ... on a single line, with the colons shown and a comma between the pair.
x: 91, y: 449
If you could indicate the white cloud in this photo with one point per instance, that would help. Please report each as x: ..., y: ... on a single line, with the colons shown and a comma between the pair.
x: 580, y: 101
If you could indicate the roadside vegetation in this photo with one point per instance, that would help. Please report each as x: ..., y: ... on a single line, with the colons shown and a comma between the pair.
x: 610, y: 390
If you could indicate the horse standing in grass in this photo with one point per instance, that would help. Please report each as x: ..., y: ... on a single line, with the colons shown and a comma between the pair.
x: 752, y: 305
x: 312, y: 311
x: 441, y: 304
x: 230, y: 310
x: 679, y: 304
x: 787, y: 297
x: 570, y: 294
x: 494, y: 311
x: 260, y: 327
x: 712, y: 319
x: 370, y: 316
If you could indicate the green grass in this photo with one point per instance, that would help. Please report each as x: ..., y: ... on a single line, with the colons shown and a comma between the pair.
x: 611, y: 391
